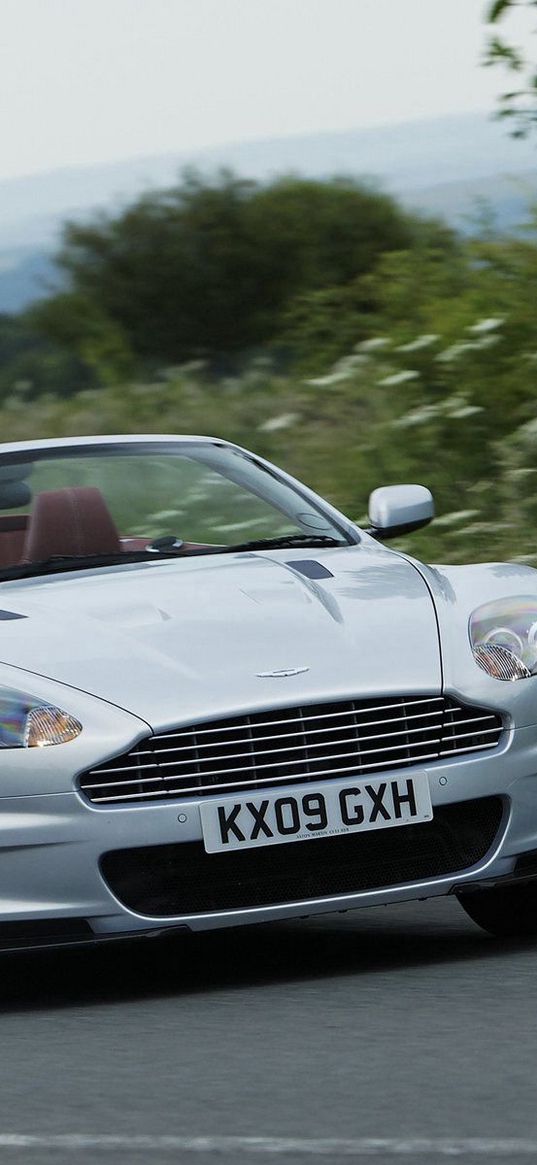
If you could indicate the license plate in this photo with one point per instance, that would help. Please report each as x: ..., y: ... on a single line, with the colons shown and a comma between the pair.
x: 306, y: 812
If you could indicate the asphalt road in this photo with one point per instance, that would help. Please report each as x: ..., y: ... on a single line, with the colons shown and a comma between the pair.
x: 395, y: 1023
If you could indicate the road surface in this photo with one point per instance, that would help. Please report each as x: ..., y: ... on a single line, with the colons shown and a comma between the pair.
x: 392, y: 1034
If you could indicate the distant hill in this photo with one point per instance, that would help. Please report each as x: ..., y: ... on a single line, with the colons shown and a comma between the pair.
x: 445, y: 166
x: 508, y: 198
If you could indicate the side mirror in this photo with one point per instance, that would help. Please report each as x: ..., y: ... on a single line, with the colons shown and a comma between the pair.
x: 398, y: 509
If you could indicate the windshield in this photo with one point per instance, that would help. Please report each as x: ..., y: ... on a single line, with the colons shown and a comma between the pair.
x: 139, y: 501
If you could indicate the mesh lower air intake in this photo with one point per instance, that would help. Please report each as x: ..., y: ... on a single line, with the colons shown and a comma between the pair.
x: 165, y: 880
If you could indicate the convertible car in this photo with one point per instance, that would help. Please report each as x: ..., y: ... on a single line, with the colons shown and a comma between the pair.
x: 221, y: 702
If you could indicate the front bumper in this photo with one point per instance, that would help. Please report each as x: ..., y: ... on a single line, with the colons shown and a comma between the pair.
x: 51, y: 848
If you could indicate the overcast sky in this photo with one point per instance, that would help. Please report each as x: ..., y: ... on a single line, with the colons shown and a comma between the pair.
x: 85, y: 81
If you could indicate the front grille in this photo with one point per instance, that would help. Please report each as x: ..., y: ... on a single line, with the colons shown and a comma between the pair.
x: 182, y: 879
x: 293, y: 745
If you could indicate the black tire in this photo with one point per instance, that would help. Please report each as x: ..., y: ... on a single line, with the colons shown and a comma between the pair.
x: 504, y: 911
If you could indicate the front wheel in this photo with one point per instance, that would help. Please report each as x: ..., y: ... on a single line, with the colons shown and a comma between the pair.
x: 504, y: 911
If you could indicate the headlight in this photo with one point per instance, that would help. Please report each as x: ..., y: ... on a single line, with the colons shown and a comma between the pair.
x: 503, y: 635
x: 29, y: 723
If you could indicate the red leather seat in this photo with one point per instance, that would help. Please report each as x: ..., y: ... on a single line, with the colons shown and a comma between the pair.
x: 75, y: 520
x: 12, y: 536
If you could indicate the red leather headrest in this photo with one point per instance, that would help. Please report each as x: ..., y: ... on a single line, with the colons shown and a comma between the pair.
x: 75, y: 520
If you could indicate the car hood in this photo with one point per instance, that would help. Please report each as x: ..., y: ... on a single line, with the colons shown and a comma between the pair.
x: 184, y: 640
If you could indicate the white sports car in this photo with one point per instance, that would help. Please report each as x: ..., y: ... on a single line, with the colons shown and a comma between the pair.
x: 221, y: 702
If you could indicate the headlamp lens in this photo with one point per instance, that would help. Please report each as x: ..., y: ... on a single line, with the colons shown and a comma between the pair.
x: 503, y: 638
x: 29, y: 723
x: 49, y: 725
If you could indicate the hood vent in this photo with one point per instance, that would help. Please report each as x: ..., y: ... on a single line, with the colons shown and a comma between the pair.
x: 310, y: 568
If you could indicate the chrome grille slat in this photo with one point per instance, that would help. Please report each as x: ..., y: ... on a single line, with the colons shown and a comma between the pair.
x: 196, y: 791
x: 466, y: 748
x: 305, y: 746
x: 317, y: 744
x: 276, y: 764
x: 301, y: 760
x: 128, y: 768
x: 312, y: 743
x: 297, y: 778
x: 308, y: 731
x: 398, y: 702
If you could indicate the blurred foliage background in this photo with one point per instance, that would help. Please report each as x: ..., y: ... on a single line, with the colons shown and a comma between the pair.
x: 319, y: 324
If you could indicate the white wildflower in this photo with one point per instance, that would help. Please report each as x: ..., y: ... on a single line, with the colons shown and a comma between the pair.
x: 231, y: 527
x: 464, y: 412
x: 192, y: 496
x: 327, y: 381
x: 419, y: 343
x: 457, y: 407
x: 372, y: 345
x: 399, y: 377
x: 455, y: 517
x: 343, y: 370
x: 284, y: 421
x: 319, y: 382
x: 487, y: 325
x: 417, y: 417
x: 454, y: 351
x: 210, y: 478
x: 164, y: 515
x: 487, y: 341
x: 519, y: 474
x: 478, y: 528
x: 527, y: 431
x: 349, y: 363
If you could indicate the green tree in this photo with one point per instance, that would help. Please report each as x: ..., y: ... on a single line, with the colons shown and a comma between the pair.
x: 209, y: 268
x: 36, y: 364
x: 519, y: 101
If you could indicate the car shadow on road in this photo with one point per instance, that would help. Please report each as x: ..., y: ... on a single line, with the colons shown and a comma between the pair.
x: 386, y: 940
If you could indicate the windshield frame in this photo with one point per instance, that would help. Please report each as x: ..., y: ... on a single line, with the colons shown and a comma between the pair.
x: 167, y: 446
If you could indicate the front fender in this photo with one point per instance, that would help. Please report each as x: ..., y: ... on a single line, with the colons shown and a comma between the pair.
x: 456, y: 592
